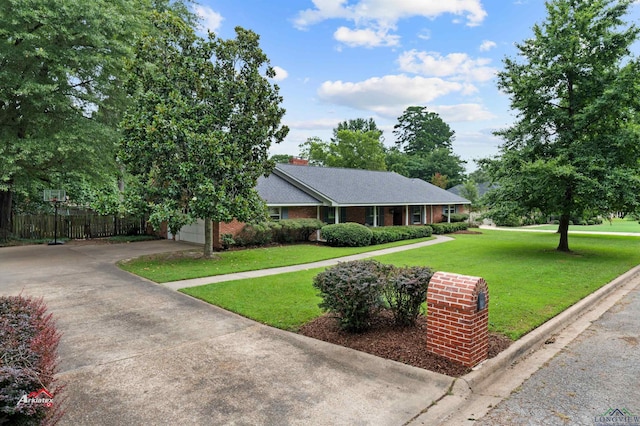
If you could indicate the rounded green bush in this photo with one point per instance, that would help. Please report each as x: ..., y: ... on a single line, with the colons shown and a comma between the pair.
x: 352, y: 291
x: 346, y: 235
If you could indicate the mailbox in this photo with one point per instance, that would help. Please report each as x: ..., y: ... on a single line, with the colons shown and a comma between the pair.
x: 482, y: 301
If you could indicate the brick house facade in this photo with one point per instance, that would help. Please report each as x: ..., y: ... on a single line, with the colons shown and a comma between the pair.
x: 334, y: 195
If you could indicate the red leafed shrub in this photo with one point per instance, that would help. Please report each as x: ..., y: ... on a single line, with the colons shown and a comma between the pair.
x: 28, y: 363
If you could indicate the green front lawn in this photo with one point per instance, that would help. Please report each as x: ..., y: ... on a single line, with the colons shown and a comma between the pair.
x: 616, y: 225
x: 529, y: 282
x: 167, y: 267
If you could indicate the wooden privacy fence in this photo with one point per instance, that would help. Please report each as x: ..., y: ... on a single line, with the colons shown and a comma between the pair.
x: 88, y: 225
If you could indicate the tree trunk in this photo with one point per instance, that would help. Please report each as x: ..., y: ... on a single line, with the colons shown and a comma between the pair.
x: 563, y: 230
x: 5, y: 214
x: 208, y: 240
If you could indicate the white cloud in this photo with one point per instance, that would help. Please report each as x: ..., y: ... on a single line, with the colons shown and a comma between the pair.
x: 281, y: 73
x: 487, y: 45
x: 386, y: 12
x: 210, y: 19
x: 463, y: 112
x: 319, y: 124
x: 387, y: 95
x: 365, y: 37
x: 458, y: 66
x: 424, y: 34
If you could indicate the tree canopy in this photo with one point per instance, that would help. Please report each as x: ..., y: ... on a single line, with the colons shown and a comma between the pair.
x: 357, y: 144
x: 574, y: 147
x: 420, y: 131
x: 358, y: 124
x: 424, y: 148
x: 61, y: 93
x: 203, y: 117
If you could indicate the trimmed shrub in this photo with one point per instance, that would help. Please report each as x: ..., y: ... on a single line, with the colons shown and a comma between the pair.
x: 459, y: 217
x: 352, y: 291
x: 356, y: 291
x: 28, y: 344
x: 227, y: 241
x: 346, y: 235
x: 405, y: 290
x: 257, y: 234
x: 387, y: 234
x: 447, y: 228
x: 296, y: 230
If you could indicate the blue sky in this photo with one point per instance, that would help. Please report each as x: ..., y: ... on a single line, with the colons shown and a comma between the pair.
x: 344, y: 59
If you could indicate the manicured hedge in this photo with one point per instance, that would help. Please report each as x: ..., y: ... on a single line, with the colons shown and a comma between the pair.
x: 388, y: 234
x: 28, y: 345
x: 447, y: 228
x: 346, y: 235
x: 281, y: 231
x: 458, y: 217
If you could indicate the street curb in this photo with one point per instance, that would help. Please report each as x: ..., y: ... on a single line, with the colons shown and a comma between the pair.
x: 484, y: 374
x: 475, y: 393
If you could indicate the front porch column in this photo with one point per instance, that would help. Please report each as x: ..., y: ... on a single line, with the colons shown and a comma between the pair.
x: 424, y: 215
x: 337, y: 214
x: 406, y: 215
x: 318, y: 217
x: 375, y: 216
x: 449, y: 213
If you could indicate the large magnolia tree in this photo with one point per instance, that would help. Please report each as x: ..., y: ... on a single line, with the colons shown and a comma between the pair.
x: 203, y: 117
x: 575, y: 147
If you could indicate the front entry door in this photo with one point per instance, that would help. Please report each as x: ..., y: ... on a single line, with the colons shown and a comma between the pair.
x: 397, y: 217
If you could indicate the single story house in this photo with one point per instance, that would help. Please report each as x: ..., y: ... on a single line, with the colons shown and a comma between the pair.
x: 337, y: 195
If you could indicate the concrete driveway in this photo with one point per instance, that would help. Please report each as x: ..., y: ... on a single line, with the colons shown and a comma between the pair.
x: 134, y: 352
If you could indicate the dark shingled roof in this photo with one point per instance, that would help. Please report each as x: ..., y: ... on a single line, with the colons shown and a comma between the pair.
x: 275, y: 191
x: 349, y: 187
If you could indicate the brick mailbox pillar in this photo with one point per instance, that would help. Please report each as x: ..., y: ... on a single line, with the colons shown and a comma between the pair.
x: 458, y: 318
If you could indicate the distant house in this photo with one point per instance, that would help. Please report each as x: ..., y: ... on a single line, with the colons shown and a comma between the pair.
x: 482, y: 187
x: 335, y: 195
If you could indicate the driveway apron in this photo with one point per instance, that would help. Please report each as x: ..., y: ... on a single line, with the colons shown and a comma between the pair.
x: 134, y: 352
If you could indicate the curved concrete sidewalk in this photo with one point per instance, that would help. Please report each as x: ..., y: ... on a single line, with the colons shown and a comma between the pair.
x: 175, y: 285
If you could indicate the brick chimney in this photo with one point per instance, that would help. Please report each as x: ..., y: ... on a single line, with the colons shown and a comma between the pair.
x: 298, y: 161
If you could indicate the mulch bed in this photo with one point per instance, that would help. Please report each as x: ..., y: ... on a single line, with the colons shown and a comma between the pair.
x: 402, y: 344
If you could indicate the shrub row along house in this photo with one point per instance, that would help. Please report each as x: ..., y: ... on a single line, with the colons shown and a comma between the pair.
x: 335, y: 195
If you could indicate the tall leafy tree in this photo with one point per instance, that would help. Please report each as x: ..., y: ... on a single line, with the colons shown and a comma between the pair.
x: 203, y: 118
x: 420, y: 131
x: 61, y: 73
x: 57, y: 61
x: 424, y: 147
x: 575, y: 145
x: 352, y: 149
x: 358, y: 124
x: 356, y: 144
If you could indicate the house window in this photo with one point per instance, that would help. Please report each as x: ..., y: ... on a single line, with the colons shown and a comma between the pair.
x: 416, y: 215
x: 368, y: 220
x: 448, y: 209
x: 329, y: 215
x: 275, y: 213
